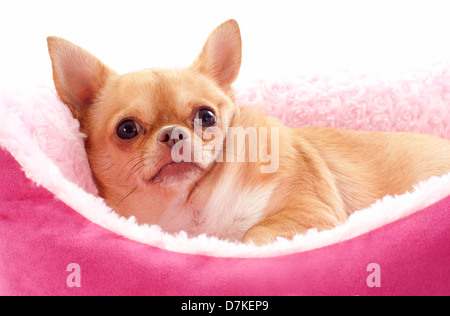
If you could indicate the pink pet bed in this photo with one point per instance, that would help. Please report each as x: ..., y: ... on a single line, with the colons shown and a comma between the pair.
x: 58, y: 238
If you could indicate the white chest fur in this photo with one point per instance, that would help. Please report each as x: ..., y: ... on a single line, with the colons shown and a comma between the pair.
x: 229, y: 212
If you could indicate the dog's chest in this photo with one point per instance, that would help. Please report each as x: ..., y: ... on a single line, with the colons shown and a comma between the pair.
x: 228, y: 213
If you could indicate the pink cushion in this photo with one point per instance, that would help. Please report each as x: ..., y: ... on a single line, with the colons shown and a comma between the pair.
x: 40, y: 236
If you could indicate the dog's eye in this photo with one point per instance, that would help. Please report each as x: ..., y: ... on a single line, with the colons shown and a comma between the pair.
x: 205, y: 117
x: 128, y: 129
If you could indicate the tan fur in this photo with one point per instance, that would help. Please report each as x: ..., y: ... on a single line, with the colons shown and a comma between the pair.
x: 323, y: 176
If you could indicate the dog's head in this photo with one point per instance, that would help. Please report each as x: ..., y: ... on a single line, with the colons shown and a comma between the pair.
x: 143, y: 127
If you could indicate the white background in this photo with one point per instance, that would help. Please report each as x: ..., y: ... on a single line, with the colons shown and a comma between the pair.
x: 281, y: 38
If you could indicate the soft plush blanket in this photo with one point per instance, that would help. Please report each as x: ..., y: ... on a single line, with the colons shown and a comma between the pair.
x: 58, y: 238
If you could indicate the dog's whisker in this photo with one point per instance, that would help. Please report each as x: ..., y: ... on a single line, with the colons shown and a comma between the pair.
x: 128, y: 195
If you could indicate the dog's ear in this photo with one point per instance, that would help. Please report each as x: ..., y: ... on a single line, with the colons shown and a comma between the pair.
x: 77, y: 74
x: 221, y: 56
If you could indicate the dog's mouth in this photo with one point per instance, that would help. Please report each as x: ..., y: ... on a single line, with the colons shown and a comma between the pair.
x: 176, y: 171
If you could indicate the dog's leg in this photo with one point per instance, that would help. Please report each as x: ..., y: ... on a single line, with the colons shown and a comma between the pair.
x: 294, y: 220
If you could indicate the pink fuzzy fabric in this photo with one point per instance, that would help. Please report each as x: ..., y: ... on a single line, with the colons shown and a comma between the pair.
x: 49, y: 221
x: 418, y: 103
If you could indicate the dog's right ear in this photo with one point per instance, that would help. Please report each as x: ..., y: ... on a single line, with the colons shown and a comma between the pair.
x: 220, y: 58
x: 77, y: 74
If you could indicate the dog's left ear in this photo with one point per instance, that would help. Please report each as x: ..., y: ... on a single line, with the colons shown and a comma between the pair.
x: 78, y: 75
x: 221, y: 56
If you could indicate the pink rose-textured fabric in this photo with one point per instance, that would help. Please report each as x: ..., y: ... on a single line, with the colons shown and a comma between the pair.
x: 51, y: 218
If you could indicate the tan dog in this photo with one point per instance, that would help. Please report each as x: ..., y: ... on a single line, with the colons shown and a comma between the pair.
x: 170, y: 147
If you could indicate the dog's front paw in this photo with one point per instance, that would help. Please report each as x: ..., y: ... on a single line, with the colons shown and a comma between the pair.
x: 259, y: 236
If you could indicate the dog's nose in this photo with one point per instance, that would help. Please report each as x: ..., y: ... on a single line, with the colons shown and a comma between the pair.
x: 170, y: 135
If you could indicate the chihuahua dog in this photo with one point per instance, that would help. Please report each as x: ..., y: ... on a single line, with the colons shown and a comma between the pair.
x: 170, y: 147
